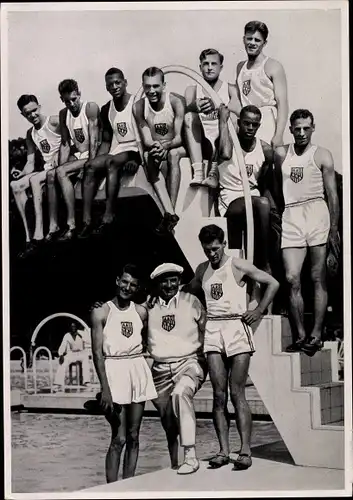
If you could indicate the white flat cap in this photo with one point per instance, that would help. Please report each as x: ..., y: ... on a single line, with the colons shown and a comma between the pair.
x: 166, y: 268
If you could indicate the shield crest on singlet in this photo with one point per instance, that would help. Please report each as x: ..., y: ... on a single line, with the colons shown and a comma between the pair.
x: 296, y: 174
x: 122, y: 128
x: 127, y: 328
x: 80, y: 136
x: 246, y: 87
x: 168, y: 322
x: 216, y: 291
x: 161, y: 128
x: 249, y: 169
x: 45, y: 146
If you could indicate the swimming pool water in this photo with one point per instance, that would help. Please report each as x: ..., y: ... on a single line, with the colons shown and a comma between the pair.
x: 55, y: 452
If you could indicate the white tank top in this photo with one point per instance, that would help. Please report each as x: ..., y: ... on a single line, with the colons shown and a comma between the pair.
x: 78, y: 128
x: 222, y: 293
x: 302, y: 178
x: 255, y: 87
x: 47, y: 141
x: 124, y: 128
x: 210, y: 121
x: 161, y: 123
x: 230, y: 180
x: 122, y: 332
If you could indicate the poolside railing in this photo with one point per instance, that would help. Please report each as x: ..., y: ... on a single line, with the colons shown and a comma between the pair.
x: 24, y: 357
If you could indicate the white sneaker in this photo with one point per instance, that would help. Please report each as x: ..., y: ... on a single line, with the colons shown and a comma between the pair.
x: 190, y: 466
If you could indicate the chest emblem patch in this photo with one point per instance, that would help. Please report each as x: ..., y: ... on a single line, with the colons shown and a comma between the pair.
x: 246, y: 87
x: 127, y: 328
x: 249, y: 169
x: 122, y: 128
x: 79, y: 135
x: 168, y: 322
x: 161, y: 128
x: 216, y: 291
x: 296, y: 174
x: 45, y: 146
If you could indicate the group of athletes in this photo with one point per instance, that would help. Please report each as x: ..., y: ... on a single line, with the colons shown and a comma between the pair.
x: 293, y: 190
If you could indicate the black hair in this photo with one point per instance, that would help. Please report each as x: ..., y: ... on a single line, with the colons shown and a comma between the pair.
x: 254, y: 26
x: 211, y: 52
x: 153, y: 71
x: 67, y: 86
x: 115, y: 71
x: 133, y: 270
x: 301, y: 113
x: 26, y: 99
x: 210, y: 233
x: 250, y: 109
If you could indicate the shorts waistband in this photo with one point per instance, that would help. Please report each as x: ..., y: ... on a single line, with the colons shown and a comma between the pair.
x: 126, y: 356
x: 297, y: 203
x: 224, y: 317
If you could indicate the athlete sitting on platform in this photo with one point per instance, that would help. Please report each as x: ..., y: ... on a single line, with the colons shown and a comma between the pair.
x: 45, y: 135
x: 160, y: 118
x: 117, y: 155
x: 228, y: 338
x: 79, y: 122
x: 258, y: 159
x: 175, y: 338
x: 201, y: 119
x: 122, y: 370
x: 305, y: 173
x: 71, y: 350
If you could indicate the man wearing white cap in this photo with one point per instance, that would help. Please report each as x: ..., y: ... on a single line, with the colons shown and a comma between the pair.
x: 176, y: 327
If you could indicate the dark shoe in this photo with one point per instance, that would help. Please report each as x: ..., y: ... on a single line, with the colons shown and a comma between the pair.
x: 53, y: 236
x: 103, y: 228
x: 31, y: 248
x: 243, y: 462
x: 218, y: 461
x: 172, y: 222
x: 86, y: 231
x: 312, y: 346
x: 296, y: 346
x: 68, y: 235
x: 162, y: 226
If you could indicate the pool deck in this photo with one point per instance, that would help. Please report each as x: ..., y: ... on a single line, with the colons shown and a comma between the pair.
x: 264, y: 476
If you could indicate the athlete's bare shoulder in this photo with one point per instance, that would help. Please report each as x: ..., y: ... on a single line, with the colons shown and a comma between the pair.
x: 54, y: 121
x: 100, y: 313
x: 272, y: 65
x: 239, y: 66
x: 323, y: 157
x: 175, y: 98
x: 239, y: 269
x: 92, y: 109
x: 141, y: 311
x: 200, y: 270
x: 267, y: 150
x: 138, y: 106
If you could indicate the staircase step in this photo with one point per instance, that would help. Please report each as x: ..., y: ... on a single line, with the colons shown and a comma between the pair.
x: 332, y: 402
x: 316, y: 369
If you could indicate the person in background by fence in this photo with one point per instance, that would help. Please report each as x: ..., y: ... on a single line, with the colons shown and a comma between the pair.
x: 71, y: 350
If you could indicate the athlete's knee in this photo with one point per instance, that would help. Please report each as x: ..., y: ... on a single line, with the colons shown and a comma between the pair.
x: 237, y: 391
x: 61, y: 172
x: 118, y: 442
x: 262, y: 203
x: 173, y: 156
x: 219, y: 399
x: 293, y: 279
x: 17, y: 186
x: 51, y: 174
x: 182, y: 391
x: 132, y: 437
x: 35, y: 181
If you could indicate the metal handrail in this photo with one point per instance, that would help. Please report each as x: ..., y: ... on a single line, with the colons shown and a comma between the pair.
x: 24, y: 362
x: 34, y: 369
x: 183, y: 70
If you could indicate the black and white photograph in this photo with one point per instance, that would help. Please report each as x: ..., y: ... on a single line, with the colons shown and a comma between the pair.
x: 176, y: 249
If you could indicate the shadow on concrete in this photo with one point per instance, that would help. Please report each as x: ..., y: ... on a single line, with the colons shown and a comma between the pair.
x: 276, y: 452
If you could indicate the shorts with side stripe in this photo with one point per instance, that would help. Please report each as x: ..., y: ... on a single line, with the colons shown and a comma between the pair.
x: 229, y: 337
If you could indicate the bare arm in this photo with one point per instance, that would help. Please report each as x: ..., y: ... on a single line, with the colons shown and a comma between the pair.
x: 98, y: 317
x: 64, y: 151
x: 225, y: 141
x: 195, y: 285
x: 265, y: 178
x: 234, y: 104
x: 29, y: 167
x: 190, y: 100
x: 260, y: 277
x: 329, y: 178
x: 146, y: 136
x: 178, y: 105
x: 142, y: 312
x: 92, y: 112
x: 107, y: 132
x: 279, y: 80
x: 202, y: 319
x: 63, y: 346
x: 277, y: 191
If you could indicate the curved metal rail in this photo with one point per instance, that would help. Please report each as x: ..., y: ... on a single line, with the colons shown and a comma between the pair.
x: 42, y: 348
x: 183, y: 70
x: 17, y: 347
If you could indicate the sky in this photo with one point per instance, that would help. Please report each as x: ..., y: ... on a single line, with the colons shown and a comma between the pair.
x: 46, y: 47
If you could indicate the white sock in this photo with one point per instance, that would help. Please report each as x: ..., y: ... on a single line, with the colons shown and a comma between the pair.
x: 189, y: 452
x: 198, y: 171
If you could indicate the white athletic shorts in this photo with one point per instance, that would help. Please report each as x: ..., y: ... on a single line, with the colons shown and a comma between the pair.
x: 306, y: 224
x: 48, y: 166
x: 267, y: 128
x: 82, y: 156
x: 229, y: 337
x: 130, y: 380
